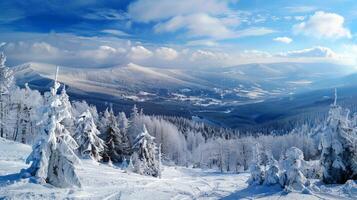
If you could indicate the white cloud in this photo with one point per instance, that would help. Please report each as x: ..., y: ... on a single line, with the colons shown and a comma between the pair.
x: 315, y: 52
x: 254, y: 54
x: 200, y: 55
x: 348, y: 55
x: 215, y: 20
x: 203, y: 25
x: 196, y: 25
x: 323, y: 25
x: 209, y: 43
x: 79, y: 51
x: 254, y: 31
x: 101, y: 53
x: 115, y: 32
x: 285, y: 40
x: 147, y: 10
x: 107, y: 14
x: 44, y: 48
x: 73, y: 50
x: 166, y: 53
x: 139, y: 53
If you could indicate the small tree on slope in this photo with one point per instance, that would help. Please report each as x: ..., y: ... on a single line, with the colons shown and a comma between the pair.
x: 53, y: 159
x: 272, y: 174
x: 338, y: 146
x: 292, y: 178
x: 257, y: 173
x: 86, y: 135
x: 145, y: 149
x: 117, y: 142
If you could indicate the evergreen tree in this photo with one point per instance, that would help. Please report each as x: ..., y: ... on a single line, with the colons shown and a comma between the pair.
x: 68, y: 122
x: 257, y: 173
x: 135, y: 125
x: 86, y: 135
x: 145, y: 162
x: 292, y: 177
x: 53, y: 159
x: 272, y: 174
x: 116, y: 141
x: 338, y: 146
x: 123, y: 123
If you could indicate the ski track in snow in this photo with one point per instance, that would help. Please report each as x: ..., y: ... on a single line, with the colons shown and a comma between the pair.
x: 101, y: 181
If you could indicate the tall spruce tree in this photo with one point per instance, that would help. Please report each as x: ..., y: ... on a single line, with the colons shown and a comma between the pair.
x: 338, y: 146
x: 146, y: 162
x: 116, y: 141
x: 86, y: 135
x: 53, y: 159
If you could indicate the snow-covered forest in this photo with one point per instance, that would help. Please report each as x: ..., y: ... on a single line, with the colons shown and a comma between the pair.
x: 64, y: 132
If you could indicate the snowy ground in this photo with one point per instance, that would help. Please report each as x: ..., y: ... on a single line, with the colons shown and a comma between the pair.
x: 103, y: 182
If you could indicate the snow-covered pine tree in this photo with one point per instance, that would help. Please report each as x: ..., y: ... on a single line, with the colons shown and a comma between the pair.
x: 257, y: 173
x: 86, y: 135
x: 123, y: 122
x: 69, y: 123
x: 117, y: 142
x: 135, y: 125
x: 53, y: 159
x: 272, y: 174
x: 146, y: 162
x: 6, y: 84
x: 292, y: 177
x: 338, y: 146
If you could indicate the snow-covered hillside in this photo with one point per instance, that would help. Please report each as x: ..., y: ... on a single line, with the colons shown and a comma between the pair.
x: 101, y: 181
x: 233, y: 85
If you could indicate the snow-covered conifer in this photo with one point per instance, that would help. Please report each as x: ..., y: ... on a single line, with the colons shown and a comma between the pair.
x: 135, y: 124
x: 116, y: 141
x: 123, y: 122
x: 272, y: 174
x: 69, y: 123
x: 257, y: 173
x: 146, y: 162
x: 86, y: 135
x: 292, y: 177
x: 53, y: 159
x: 338, y: 146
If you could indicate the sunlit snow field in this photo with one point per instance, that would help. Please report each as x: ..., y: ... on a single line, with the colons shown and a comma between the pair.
x: 101, y: 181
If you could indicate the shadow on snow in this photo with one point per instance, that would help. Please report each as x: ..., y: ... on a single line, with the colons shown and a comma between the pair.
x: 256, y: 191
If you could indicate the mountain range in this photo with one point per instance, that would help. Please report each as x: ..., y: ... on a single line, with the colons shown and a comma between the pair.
x: 213, y: 94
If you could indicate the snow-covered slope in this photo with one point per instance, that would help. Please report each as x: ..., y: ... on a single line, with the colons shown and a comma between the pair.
x: 130, y: 76
x: 101, y: 181
x: 242, y: 84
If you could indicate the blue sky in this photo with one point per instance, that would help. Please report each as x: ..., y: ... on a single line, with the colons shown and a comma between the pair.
x: 185, y: 33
